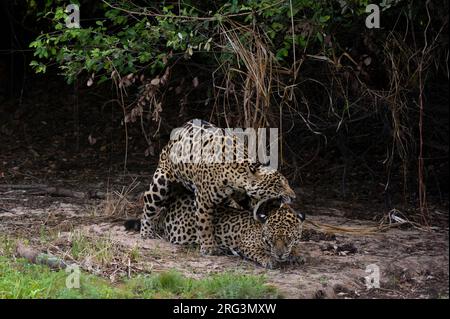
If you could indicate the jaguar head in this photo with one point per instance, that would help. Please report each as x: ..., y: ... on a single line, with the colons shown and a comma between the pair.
x: 282, y: 230
x: 266, y: 183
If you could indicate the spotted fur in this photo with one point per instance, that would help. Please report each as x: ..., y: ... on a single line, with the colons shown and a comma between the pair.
x: 202, y: 170
x: 268, y: 241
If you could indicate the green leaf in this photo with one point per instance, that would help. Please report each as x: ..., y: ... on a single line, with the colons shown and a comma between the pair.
x: 282, y: 53
x: 324, y: 19
x: 319, y: 37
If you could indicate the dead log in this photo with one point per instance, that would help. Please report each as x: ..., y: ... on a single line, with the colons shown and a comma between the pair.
x: 59, y: 191
x: 37, y: 257
x: 41, y: 189
x: 22, y: 186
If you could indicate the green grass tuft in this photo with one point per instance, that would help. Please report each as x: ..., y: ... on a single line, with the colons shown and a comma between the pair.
x: 20, y: 279
x: 172, y: 284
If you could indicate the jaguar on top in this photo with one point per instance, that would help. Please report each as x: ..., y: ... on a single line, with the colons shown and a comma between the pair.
x: 194, y: 158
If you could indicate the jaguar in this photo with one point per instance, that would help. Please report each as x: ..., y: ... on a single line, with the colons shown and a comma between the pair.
x: 198, y: 158
x: 269, y: 240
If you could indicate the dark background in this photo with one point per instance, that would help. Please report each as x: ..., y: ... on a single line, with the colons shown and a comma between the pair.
x: 50, y: 130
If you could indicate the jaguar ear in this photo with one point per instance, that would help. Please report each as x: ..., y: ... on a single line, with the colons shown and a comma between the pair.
x: 264, y: 208
x: 301, y: 215
x: 262, y: 218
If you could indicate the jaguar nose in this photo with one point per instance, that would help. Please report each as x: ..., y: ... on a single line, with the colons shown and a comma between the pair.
x: 289, y: 195
x: 280, y: 257
x: 285, y: 200
x: 293, y: 195
x: 278, y: 253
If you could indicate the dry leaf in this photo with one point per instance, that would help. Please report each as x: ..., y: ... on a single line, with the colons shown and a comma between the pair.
x: 149, y: 151
x: 195, y: 82
x: 368, y: 60
x: 92, y: 140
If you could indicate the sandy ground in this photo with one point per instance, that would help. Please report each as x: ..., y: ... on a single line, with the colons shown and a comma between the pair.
x: 412, y: 262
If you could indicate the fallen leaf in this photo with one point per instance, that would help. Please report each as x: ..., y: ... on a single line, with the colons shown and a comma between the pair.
x: 92, y: 140
x: 195, y: 82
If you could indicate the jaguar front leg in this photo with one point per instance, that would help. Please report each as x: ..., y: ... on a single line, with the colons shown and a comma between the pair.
x: 296, y: 257
x: 205, y: 227
x: 154, y: 200
x: 261, y: 258
x: 250, y: 250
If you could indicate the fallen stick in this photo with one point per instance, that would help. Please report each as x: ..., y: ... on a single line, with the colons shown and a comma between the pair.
x: 22, y: 186
x: 59, y: 191
x: 350, y: 230
x: 37, y: 257
x: 40, y: 189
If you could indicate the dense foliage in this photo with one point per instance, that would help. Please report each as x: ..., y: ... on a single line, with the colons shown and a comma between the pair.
x: 309, y: 66
x: 130, y: 38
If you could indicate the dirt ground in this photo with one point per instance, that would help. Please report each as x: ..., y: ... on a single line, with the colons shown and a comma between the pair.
x: 413, y: 262
x: 80, y: 148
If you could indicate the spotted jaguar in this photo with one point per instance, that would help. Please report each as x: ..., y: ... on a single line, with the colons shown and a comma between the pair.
x: 270, y: 240
x: 194, y: 158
